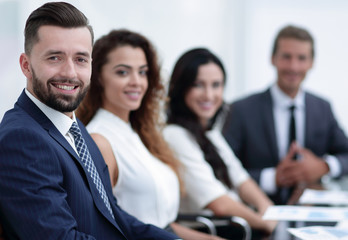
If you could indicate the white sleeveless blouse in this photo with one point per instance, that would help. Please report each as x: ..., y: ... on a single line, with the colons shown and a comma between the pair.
x: 146, y: 187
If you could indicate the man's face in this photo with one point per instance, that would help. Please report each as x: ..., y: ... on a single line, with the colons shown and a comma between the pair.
x: 58, y: 68
x: 293, y: 59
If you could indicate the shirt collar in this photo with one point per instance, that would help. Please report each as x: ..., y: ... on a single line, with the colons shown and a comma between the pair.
x: 61, y: 121
x: 280, y: 99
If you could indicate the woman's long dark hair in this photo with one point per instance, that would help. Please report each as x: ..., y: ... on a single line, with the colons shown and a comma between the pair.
x: 183, y: 77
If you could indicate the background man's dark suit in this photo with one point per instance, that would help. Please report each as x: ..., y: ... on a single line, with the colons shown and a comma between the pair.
x: 250, y: 130
x: 45, y: 191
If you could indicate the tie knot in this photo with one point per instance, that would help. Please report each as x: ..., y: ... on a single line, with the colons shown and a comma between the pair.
x: 75, y: 130
x: 292, y: 108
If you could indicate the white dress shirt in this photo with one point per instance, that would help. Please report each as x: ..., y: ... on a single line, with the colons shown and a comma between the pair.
x: 281, y: 115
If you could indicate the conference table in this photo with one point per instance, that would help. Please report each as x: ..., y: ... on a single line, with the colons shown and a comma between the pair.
x: 281, y: 233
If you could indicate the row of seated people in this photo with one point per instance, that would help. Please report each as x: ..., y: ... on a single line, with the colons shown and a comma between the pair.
x: 190, y: 165
x: 121, y: 112
x: 212, y: 177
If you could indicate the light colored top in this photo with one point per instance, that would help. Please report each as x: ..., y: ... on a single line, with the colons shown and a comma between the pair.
x: 61, y: 121
x: 146, y: 187
x: 201, y: 185
x: 281, y: 115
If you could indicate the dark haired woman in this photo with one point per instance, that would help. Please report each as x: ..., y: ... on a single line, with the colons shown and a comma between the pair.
x: 213, y: 177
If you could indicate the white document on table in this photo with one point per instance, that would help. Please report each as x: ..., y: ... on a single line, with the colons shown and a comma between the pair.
x: 303, y: 213
x: 320, y: 233
x: 327, y: 197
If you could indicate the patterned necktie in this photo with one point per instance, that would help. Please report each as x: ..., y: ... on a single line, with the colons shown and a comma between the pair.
x: 86, y: 159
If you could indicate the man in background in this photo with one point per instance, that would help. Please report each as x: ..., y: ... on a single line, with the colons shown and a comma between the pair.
x: 286, y: 136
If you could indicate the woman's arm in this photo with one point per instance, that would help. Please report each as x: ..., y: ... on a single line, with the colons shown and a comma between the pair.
x: 187, y: 233
x: 226, y: 206
x: 108, y: 155
x: 201, y: 185
x: 250, y: 193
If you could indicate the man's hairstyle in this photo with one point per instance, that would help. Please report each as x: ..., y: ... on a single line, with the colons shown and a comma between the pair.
x: 59, y: 14
x: 294, y: 33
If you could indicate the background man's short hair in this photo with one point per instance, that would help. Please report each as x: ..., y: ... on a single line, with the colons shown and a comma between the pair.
x: 294, y: 32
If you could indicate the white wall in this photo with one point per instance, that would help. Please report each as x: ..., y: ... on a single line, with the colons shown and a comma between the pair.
x: 241, y: 32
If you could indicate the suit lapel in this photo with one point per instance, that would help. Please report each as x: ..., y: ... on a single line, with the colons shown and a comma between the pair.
x: 25, y: 103
x: 268, y: 122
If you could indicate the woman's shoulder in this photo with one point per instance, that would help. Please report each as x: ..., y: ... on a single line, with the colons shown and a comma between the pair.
x: 179, y: 138
x: 97, y: 120
x: 172, y: 130
x: 105, y: 121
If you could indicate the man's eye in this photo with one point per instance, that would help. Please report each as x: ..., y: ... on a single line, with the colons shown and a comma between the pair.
x: 53, y: 58
x: 82, y: 60
x: 302, y: 58
x: 286, y: 56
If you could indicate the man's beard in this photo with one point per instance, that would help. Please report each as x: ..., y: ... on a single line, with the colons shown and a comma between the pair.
x: 60, y: 102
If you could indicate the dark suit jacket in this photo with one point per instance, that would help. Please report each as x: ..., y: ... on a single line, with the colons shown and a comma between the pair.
x: 250, y: 131
x: 47, y: 193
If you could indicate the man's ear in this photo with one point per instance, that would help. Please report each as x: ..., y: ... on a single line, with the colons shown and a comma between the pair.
x: 25, y: 65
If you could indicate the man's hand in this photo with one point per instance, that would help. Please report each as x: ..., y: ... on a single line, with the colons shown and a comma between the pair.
x: 307, y: 169
x: 283, y: 176
x: 311, y: 167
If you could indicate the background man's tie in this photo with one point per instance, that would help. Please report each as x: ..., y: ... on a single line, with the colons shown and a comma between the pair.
x: 285, y: 193
x: 292, y: 128
x: 86, y: 159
